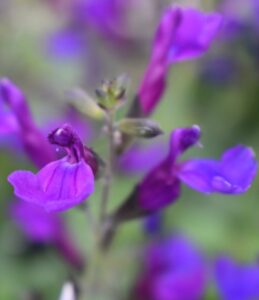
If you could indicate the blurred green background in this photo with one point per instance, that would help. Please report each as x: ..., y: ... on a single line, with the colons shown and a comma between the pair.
x: 226, y: 108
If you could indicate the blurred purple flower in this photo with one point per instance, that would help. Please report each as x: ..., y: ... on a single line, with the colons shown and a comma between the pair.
x: 46, y: 228
x: 232, y: 174
x: 16, y: 118
x: 61, y: 184
x: 183, y: 33
x: 173, y: 270
x: 66, y: 43
x: 106, y: 17
x: 237, y: 281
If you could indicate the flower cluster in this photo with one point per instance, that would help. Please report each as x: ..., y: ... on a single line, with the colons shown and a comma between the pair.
x: 172, y: 269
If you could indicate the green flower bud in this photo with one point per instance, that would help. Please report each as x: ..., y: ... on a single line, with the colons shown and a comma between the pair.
x: 143, y: 128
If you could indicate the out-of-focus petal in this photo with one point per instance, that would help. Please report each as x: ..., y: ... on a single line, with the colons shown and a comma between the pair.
x: 65, y: 44
x: 173, y: 269
x: 232, y: 174
x: 194, y: 35
x: 236, y: 281
x: 38, y: 225
x: 20, y: 119
x: 59, y: 186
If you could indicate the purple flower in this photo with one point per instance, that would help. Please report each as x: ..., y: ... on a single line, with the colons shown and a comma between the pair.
x: 232, y: 174
x: 61, y: 184
x: 237, y: 281
x: 183, y: 33
x: 173, y: 270
x: 46, y: 228
x: 16, y: 119
x: 106, y: 17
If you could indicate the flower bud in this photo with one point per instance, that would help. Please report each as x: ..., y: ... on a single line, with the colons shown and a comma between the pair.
x: 84, y: 103
x: 111, y: 93
x: 143, y: 128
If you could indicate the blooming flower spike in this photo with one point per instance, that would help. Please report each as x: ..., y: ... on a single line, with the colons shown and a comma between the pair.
x: 183, y: 34
x: 61, y: 184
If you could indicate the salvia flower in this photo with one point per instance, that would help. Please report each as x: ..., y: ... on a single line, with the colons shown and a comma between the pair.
x: 173, y: 270
x: 17, y: 119
x: 183, y: 33
x: 85, y: 17
x: 232, y: 174
x: 46, y: 228
x: 61, y: 184
x: 236, y: 281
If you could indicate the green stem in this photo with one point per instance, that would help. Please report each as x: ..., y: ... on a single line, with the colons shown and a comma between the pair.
x: 109, y: 167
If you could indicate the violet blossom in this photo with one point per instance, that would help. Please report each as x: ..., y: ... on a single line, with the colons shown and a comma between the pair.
x: 232, y: 174
x: 61, y: 184
x: 46, y: 228
x: 173, y: 270
x: 16, y: 119
x: 183, y: 33
x: 106, y: 17
x: 236, y: 281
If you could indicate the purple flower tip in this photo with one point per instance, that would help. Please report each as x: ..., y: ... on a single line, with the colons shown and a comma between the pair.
x: 184, y: 138
x: 61, y: 184
x: 63, y: 136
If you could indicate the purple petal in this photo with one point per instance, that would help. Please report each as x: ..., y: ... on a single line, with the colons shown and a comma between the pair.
x: 194, y: 35
x: 233, y: 174
x: 19, y: 118
x: 42, y: 227
x: 59, y: 186
x: 38, y: 225
x: 154, y: 82
x: 8, y: 124
x: 183, y: 33
x: 236, y: 281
